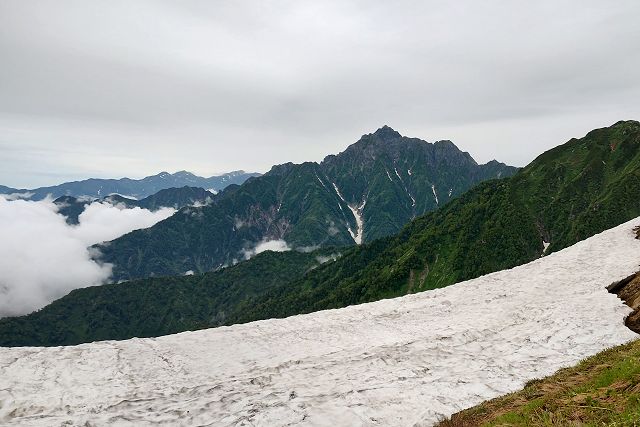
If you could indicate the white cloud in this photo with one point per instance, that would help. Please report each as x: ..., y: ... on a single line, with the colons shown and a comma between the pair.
x: 102, y: 221
x: 333, y: 230
x: 238, y: 223
x: 324, y: 259
x: 267, y: 245
x: 218, y: 85
x: 18, y: 196
x: 42, y: 257
x: 126, y: 196
x: 206, y: 202
x: 307, y: 249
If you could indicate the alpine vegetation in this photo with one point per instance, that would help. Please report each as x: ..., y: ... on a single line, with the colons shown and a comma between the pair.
x: 369, y: 191
x: 567, y: 194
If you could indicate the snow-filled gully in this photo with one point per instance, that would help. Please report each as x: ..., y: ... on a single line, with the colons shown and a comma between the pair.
x: 402, y: 361
x: 357, y: 214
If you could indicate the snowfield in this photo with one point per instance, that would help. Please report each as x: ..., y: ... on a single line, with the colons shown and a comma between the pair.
x: 399, y: 362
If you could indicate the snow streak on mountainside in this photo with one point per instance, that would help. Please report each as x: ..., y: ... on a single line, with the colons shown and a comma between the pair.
x: 308, y: 205
x: 357, y: 235
x: 393, y: 362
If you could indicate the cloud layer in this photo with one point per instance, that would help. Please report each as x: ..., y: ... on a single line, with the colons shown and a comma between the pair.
x: 95, y: 88
x: 267, y: 245
x: 43, y: 258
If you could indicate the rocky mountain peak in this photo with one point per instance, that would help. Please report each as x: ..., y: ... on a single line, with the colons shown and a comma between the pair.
x: 445, y: 143
x: 386, y: 133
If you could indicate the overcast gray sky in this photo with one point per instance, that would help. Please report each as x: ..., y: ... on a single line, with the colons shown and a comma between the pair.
x: 130, y: 88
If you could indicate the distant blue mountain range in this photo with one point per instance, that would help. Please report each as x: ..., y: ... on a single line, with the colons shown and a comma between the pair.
x: 136, y: 188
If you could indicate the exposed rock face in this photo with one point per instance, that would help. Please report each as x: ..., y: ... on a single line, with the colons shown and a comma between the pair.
x: 628, y: 290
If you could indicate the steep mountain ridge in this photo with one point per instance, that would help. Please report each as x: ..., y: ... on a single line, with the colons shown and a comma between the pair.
x: 366, y: 192
x: 390, y: 179
x: 566, y: 195
x: 497, y: 225
x: 136, y: 188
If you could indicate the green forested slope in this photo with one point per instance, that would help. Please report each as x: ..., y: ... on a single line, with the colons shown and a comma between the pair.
x: 567, y: 194
x: 387, y: 179
x: 156, y: 306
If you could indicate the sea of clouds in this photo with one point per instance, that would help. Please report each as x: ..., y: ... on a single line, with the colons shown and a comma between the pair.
x: 42, y: 257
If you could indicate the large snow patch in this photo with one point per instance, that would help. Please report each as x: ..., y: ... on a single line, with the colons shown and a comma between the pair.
x: 403, y: 361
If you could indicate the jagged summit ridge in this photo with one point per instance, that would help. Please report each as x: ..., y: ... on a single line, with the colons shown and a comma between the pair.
x: 387, y: 133
x: 499, y: 224
x: 369, y: 190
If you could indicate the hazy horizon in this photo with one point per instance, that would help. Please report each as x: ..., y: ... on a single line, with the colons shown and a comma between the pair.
x: 116, y: 89
x: 207, y: 175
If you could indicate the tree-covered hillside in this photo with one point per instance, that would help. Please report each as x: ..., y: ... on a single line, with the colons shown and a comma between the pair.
x: 567, y: 194
x: 370, y: 190
x: 157, y: 306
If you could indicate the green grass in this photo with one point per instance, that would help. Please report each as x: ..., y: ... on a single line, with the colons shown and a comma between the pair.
x: 603, y: 390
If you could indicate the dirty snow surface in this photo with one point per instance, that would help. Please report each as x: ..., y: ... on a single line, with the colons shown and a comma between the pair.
x: 397, y: 362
